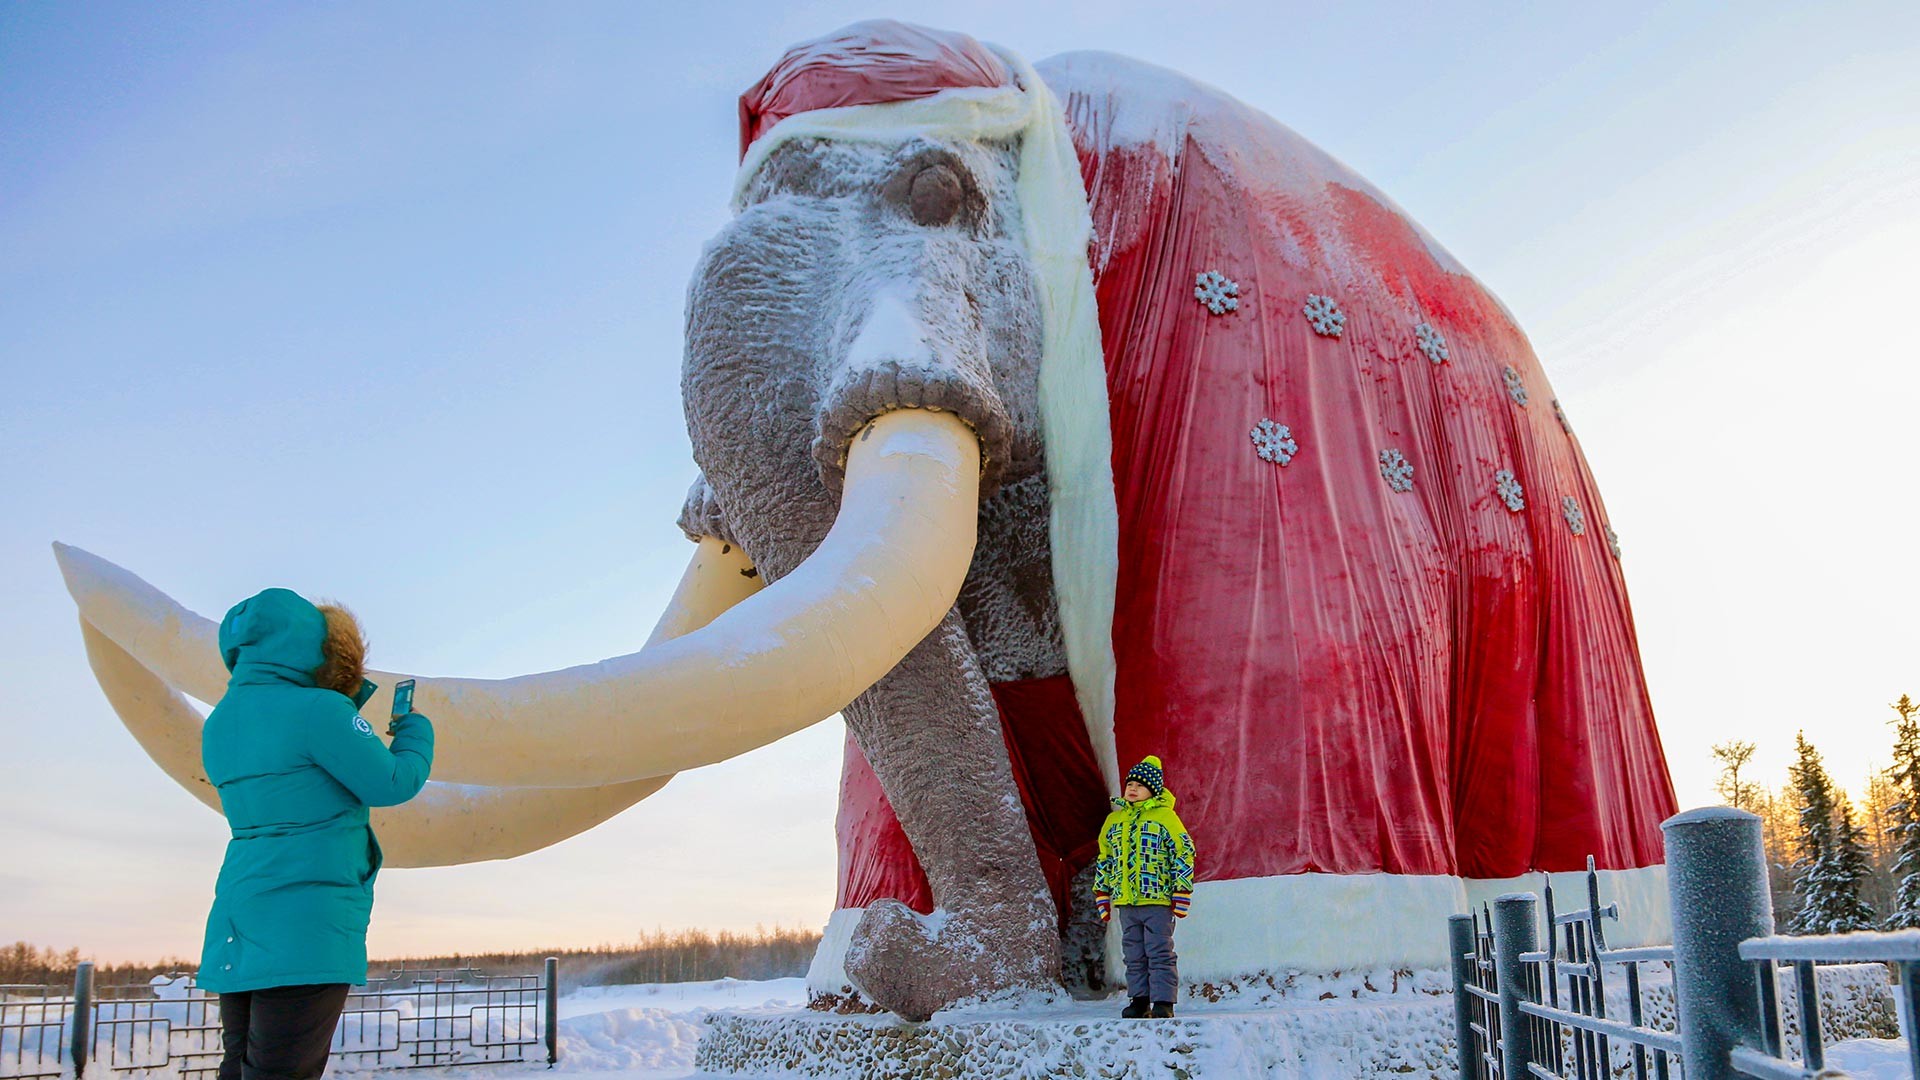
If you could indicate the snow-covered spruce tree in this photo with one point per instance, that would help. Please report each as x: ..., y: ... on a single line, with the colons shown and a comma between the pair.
x: 1849, y: 867
x: 1829, y: 896
x: 1904, y: 827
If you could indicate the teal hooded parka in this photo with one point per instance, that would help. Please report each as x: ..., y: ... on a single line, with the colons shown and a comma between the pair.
x: 296, y: 768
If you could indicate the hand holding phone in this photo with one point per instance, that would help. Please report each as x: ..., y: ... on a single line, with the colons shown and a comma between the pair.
x: 402, y: 700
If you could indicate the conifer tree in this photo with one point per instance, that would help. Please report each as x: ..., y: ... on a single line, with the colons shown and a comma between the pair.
x: 1828, y: 899
x: 1904, y: 815
x: 1849, y: 868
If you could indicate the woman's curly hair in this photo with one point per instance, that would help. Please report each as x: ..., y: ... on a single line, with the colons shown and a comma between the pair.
x: 344, y: 652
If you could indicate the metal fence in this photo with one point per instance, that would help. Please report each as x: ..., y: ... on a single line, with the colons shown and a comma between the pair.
x: 403, y: 1020
x: 1522, y: 1010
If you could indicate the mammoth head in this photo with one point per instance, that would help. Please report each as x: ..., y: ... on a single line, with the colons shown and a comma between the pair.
x: 861, y: 278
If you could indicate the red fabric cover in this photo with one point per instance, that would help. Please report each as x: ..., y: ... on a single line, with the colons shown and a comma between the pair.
x: 867, y: 63
x: 876, y: 862
x: 1340, y: 678
x: 1059, y: 782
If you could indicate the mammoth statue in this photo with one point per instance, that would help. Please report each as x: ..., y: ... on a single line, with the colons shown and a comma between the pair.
x: 1050, y: 416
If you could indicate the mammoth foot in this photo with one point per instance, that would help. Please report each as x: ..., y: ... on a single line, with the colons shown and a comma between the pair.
x: 915, y: 965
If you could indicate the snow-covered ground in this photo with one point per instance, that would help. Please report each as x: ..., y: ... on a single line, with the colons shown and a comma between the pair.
x: 649, y: 1032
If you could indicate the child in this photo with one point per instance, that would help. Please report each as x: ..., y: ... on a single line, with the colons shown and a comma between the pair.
x: 1145, y: 873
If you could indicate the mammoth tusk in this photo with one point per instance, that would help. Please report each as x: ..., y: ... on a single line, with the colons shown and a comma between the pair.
x: 446, y: 824
x: 778, y: 661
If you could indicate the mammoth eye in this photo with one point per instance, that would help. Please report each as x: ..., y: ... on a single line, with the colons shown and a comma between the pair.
x: 934, y: 196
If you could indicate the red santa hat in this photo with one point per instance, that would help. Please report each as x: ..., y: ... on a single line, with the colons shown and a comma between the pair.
x: 867, y: 63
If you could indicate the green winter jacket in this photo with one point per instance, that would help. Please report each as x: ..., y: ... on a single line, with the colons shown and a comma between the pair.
x: 297, y: 768
x: 1146, y: 856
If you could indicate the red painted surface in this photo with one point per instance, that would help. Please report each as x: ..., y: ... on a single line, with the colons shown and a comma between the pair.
x: 1340, y: 678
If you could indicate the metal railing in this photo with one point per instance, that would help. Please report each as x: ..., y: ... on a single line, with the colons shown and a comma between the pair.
x: 1558, y: 1001
x: 35, y: 1027
x: 1526, y: 1011
x: 403, y: 1020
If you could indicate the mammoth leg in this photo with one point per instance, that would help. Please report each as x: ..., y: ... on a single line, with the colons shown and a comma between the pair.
x: 932, y: 734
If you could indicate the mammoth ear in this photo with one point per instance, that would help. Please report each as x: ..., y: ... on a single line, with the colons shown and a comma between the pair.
x: 934, y: 188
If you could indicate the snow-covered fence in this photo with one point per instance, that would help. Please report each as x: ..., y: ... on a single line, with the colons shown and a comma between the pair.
x: 35, y: 1025
x: 1726, y: 999
x: 404, y: 1020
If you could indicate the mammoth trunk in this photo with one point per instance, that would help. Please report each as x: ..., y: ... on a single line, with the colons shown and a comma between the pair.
x: 931, y: 731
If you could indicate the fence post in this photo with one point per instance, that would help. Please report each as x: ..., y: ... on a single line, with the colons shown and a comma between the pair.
x: 81, y: 1045
x: 1717, y: 888
x: 1460, y: 944
x: 552, y: 975
x: 1514, y: 934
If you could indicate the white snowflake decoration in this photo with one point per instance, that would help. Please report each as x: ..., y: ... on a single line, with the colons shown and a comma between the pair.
x: 1576, y: 518
x: 1274, y: 442
x: 1561, y: 415
x: 1396, y: 470
x: 1516, y: 387
x: 1325, y: 315
x: 1216, y: 291
x: 1432, y: 342
x: 1613, y: 541
x: 1508, y: 488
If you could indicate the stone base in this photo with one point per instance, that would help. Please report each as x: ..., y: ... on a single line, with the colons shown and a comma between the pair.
x: 1382, y: 1023
x: 1390, y: 1025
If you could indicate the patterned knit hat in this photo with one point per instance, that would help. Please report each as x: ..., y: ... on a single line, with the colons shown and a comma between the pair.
x: 1148, y: 774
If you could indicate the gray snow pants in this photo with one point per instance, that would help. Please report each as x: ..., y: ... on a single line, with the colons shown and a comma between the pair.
x: 1146, y: 940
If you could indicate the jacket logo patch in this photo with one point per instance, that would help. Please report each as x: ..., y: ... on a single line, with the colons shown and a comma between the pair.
x: 360, y: 725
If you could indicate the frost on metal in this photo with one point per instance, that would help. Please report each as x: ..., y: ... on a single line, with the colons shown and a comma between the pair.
x: 1516, y: 386
x: 1508, y: 488
x: 1396, y: 470
x: 1432, y: 342
x: 1613, y: 542
x: 1216, y: 292
x: 1576, y: 518
x: 1274, y: 442
x: 1325, y: 316
x: 1561, y: 415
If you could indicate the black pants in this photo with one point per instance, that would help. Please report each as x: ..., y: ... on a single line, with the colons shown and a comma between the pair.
x: 283, y: 1033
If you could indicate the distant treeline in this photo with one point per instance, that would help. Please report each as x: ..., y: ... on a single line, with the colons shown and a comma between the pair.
x: 23, y: 964
x: 659, y: 956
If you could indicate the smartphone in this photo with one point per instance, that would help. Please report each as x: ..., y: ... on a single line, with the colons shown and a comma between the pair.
x: 402, y: 698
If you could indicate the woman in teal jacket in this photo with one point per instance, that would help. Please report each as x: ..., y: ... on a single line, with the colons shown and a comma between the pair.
x: 297, y: 768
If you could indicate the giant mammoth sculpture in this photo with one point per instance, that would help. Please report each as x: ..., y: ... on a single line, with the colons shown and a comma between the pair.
x: 1047, y: 417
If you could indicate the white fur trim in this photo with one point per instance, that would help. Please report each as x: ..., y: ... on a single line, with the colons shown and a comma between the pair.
x: 1339, y: 922
x: 1645, y: 916
x: 1318, y: 923
x: 828, y: 972
x: 1073, y: 371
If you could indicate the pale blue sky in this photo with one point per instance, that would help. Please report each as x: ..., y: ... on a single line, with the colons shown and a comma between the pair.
x: 382, y: 302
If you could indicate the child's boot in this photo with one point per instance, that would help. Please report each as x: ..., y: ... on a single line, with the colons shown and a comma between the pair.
x: 1162, y: 1010
x: 1136, y: 1009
